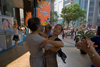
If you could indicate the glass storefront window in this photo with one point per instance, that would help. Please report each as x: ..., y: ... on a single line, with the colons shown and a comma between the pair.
x: 7, y: 7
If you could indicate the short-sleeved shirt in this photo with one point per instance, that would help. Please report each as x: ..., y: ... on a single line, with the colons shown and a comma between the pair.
x: 50, y: 33
x: 34, y: 42
x: 16, y: 31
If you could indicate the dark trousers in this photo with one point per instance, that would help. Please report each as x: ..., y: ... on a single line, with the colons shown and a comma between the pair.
x: 63, y: 36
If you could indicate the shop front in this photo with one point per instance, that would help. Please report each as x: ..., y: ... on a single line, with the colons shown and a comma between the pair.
x: 8, y: 14
x: 7, y: 33
x: 10, y: 11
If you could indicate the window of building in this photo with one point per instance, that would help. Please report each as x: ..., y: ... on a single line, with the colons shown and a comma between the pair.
x: 90, y: 14
x: 91, y: 9
x: 82, y: 2
x: 90, y: 20
x: 91, y: 3
x: 66, y: 1
x: 82, y: 7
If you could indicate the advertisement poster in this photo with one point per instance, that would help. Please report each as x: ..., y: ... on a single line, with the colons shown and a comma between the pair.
x: 98, y: 16
x: 28, y: 16
x: 44, y: 12
x: 6, y: 23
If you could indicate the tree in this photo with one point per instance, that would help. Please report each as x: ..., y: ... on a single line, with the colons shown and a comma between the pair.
x: 54, y: 16
x: 72, y: 13
x: 83, y: 21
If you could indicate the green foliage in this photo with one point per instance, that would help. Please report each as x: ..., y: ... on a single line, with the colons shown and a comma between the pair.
x: 54, y: 16
x: 87, y: 34
x: 72, y: 13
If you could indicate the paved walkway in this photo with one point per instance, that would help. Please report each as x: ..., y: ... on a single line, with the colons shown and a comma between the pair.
x: 75, y: 59
x: 20, y: 57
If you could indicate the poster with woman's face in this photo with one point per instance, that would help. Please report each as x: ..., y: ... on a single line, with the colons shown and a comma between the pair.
x: 6, y: 23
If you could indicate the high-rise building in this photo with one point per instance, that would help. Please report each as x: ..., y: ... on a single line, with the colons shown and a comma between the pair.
x: 77, y: 21
x: 58, y: 5
x: 76, y: 1
x: 96, y: 15
x: 53, y: 6
x: 91, y: 7
x: 92, y: 10
x: 83, y: 4
x: 67, y: 3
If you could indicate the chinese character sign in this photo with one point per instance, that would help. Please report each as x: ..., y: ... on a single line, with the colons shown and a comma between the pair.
x: 44, y: 12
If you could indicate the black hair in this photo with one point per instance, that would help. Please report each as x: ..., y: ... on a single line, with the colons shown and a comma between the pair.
x: 33, y: 23
x: 49, y: 26
x: 61, y: 27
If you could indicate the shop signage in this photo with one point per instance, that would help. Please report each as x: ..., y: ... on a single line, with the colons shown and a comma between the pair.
x: 44, y: 12
x: 6, y: 23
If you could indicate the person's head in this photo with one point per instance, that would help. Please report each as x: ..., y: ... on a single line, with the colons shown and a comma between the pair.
x: 34, y: 24
x: 5, y: 23
x: 15, y: 24
x: 48, y: 27
x: 57, y: 29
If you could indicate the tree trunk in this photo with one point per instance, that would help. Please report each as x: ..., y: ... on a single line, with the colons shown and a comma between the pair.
x: 53, y: 23
x: 68, y: 26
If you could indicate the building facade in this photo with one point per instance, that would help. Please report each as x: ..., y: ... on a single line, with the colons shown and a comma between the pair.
x: 76, y: 1
x: 67, y: 3
x: 58, y: 5
x: 91, y: 7
x: 77, y: 21
x: 93, y: 11
x: 96, y: 15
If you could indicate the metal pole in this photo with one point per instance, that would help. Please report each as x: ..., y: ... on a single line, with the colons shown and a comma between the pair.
x: 87, y: 12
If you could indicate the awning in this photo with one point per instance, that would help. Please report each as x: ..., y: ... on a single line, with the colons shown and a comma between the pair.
x: 65, y: 27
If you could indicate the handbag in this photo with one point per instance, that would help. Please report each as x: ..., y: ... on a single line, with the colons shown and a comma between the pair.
x: 62, y: 55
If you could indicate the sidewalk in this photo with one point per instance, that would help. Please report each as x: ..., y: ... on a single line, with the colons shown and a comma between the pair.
x: 20, y: 57
x: 74, y: 58
x: 67, y: 40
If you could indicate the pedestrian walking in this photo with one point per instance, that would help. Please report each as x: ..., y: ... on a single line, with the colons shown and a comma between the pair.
x: 72, y: 33
x: 63, y: 35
